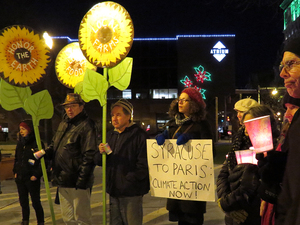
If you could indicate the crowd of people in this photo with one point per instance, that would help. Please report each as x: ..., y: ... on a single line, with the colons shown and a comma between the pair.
x: 265, y: 193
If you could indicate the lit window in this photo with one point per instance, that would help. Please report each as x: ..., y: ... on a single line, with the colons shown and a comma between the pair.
x: 126, y: 94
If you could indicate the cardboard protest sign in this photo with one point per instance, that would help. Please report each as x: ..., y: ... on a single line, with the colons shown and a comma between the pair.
x: 184, y: 172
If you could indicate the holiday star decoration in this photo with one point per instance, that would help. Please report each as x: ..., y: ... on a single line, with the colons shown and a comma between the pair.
x: 201, y: 76
x: 186, y: 81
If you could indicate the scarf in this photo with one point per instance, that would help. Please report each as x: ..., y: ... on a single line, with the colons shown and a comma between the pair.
x: 180, y: 121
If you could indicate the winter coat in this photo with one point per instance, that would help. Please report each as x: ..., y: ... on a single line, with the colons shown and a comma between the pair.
x: 288, y: 208
x: 72, y: 151
x: 232, y: 196
x: 26, y: 165
x: 199, y: 130
x: 237, y: 189
x: 127, y: 168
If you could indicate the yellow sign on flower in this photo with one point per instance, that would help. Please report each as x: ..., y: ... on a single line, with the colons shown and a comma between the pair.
x: 106, y: 34
x: 24, y: 56
x: 70, y: 65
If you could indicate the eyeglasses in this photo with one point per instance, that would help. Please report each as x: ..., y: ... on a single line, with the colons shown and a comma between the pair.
x: 182, y: 100
x: 288, y: 65
x: 71, y: 106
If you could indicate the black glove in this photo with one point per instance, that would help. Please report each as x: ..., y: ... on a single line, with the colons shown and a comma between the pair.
x: 160, y: 138
x: 239, y: 216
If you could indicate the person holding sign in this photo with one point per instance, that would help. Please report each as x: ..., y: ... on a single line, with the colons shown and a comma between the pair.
x: 187, y: 122
x: 127, y: 168
x: 28, y: 173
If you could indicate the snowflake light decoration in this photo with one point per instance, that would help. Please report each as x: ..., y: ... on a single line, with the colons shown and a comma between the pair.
x: 201, y: 76
x: 186, y: 81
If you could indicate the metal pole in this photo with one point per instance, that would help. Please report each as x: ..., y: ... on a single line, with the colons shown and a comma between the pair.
x: 258, y: 94
x: 217, y: 118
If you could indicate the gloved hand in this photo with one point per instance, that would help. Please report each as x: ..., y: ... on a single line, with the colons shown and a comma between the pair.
x: 160, y: 138
x: 238, y: 216
x: 183, y: 138
x: 39, y: 154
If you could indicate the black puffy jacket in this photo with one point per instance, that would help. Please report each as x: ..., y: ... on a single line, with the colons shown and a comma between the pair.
x: 72, y: 150
x: 237, y: 189
x: 23, y: 155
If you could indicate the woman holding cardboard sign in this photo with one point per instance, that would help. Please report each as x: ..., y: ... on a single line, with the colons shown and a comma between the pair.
x: 187, y: 122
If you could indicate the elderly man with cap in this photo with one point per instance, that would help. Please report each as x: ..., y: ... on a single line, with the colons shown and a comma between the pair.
x: 288, y: 210
x: 72, y: 151
x: 127, y: 168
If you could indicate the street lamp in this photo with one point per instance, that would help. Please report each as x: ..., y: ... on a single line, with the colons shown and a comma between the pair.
x: 274, y: 92
x: 48, y: 39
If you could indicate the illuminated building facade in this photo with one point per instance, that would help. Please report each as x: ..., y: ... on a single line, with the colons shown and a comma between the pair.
x: 291, y: 18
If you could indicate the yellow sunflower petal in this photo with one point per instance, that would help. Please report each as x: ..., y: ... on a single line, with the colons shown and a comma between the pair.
x: 70, y: 65
x: 24, y: 56
x: 106, y: 34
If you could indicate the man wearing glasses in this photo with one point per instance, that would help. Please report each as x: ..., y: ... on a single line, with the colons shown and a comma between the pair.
x: 72, y: 151
x: 288, y: 210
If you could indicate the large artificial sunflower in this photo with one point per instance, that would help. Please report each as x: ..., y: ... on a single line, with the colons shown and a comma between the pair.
x: 70, y: 65
x: 24, y: 56
x: 106, y: 34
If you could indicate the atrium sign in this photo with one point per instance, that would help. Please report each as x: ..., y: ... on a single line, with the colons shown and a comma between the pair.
x: 219, y: 51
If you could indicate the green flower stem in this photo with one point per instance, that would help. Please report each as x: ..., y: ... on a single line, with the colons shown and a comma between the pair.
x: 104, y: 155
x: 39, y: 144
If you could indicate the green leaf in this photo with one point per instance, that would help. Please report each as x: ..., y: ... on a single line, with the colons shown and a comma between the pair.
x: 13, y: 97
x: 79, y: 90
x: 95, y: 86
x: 120, y: 75
x: 39, y: 106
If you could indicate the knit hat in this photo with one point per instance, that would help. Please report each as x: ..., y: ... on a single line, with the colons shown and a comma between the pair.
x: 125, y: 104
x: 288, y: 99
x: 195, y: 95
x: 73, y: 98
x: 244, y: 104
x: 293, y: 46
x: 27, y: 124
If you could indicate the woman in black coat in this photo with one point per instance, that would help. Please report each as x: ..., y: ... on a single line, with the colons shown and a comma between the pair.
x: 188, y: 122
x: 237, y: 185
x: 28, y: 172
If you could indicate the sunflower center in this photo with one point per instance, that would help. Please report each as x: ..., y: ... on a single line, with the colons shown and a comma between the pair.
x: 22, y: 55
x: 105, y: 34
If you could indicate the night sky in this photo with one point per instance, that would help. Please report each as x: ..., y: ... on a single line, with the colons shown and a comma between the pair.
x: 258, y: 26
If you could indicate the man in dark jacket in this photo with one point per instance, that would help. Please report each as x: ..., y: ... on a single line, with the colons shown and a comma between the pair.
x: 288, y: 210
x: 127, y: 169
x: 72, y: 150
